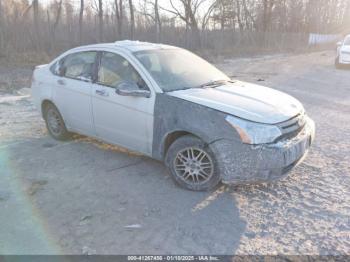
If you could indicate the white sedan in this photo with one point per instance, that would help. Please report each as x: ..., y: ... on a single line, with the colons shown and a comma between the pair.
x: 173, y: 106
x: 343, y: 53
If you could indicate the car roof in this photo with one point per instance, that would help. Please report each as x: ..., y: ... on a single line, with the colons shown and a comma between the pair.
x: 129, y: 45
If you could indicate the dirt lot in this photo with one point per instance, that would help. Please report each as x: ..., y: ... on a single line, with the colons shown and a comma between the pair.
x: 83, y: 196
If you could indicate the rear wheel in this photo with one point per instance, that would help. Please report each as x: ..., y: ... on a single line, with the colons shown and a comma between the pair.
x: 54, y: 122
x: 337, y: 63
x: 192, y: 164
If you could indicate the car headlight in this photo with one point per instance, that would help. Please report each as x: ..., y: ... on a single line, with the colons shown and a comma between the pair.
x: 254, y: 133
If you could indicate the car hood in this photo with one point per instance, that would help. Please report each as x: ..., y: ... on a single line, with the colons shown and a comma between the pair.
x: 248, y: 101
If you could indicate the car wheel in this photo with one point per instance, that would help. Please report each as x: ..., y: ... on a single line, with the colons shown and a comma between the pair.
x: 54, y: 123
x: 338, y: 65
x: 192, y: 164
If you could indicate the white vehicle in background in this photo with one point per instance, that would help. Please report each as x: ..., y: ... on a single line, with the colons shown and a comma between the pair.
x: 343, y: 53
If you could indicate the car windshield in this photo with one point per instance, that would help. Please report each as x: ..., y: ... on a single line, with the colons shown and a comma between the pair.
x: 177, y: 69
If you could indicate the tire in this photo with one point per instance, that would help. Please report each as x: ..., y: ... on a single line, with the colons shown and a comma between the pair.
x: 192, y: 164
x: 337, y: 64
x: 54, y: 123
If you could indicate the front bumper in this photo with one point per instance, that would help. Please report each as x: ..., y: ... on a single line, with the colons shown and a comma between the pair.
x: 242, y: 163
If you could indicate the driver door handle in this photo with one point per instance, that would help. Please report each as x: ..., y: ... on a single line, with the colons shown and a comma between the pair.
x: 101, y: 92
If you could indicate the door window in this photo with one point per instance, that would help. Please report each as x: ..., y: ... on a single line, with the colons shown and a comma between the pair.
x: 79, y: 65
x: 115, y: 69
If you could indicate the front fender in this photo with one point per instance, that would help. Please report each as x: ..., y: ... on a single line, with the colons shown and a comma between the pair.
x: 172, y: 114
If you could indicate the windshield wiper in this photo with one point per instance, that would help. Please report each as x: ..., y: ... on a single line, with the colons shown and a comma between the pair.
x: 211, y: 84
x: 214, y: 83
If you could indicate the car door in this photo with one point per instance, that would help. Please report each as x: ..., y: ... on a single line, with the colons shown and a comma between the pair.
x: 73, y: 91
x: 119, y: 119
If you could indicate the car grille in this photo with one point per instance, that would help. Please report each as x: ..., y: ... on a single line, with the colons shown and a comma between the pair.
x: 292, y: 127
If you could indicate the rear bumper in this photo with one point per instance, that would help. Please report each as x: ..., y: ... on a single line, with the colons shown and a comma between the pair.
x: 242, y: 163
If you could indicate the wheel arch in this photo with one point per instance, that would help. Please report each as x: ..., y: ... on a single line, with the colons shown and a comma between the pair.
x: 44, y: 104
x: 171, y: 137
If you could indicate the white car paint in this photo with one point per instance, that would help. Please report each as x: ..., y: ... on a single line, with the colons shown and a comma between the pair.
x: 123, y: 120
x: 126, y: 121
x: 73, y: 98
x: 249, y: 101
x: 343, y: 51
x: 97, y: 111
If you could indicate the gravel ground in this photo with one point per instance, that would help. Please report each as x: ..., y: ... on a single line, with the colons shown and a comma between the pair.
x: 83, y: 196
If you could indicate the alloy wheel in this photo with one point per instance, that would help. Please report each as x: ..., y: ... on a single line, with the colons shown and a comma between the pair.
x: 54, y: 121
x: 193, y: 165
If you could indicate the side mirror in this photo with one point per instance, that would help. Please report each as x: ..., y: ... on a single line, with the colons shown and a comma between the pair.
x: 340, y: 43
x: 128, y: 88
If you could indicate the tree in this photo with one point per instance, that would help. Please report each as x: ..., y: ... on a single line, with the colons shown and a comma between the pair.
x: 81, y: 16
x: 35, y: 5
x: 31, y: 25
x: 158, y: 22
x: 100, y: 21
x: 346, y: 19
x: 295, y: 16
x: 119, y: 16
x: 57, y: 20
x: 239, y: 15
x: 188, y: 15
x: 268, y: 6
x: 1, y: 26
x: 155, y: 17
x: 249, y: 19
x: 0, y: 14
x: 132, y: 20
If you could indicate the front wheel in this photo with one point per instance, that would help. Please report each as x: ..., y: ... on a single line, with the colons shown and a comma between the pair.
x: 192, y: 164
x: 337, y: 63
x: 54, y: 123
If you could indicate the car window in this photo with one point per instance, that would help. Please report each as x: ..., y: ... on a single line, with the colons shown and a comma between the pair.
x: 115, y: 69
x: 79, y: 65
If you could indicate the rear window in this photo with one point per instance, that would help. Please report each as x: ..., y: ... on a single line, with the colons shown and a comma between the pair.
x: 79, y: 65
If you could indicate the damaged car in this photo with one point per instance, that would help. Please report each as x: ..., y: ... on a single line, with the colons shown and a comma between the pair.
x: 167, y: 103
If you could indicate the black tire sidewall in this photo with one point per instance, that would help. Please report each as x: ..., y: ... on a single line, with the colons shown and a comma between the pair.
x: 191, y: 141
x: 64, y: 134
